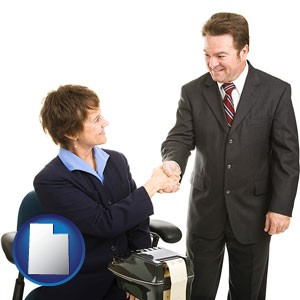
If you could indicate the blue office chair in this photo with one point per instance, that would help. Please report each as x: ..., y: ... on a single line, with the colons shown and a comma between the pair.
x: 31, y: 207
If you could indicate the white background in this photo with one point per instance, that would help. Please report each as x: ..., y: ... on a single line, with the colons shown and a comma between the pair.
x: 136, y: 55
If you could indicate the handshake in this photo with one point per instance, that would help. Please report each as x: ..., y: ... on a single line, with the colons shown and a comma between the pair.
x: 164, y: 179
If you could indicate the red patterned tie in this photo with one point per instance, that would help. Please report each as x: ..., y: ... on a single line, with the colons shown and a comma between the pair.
x: 228, y: 102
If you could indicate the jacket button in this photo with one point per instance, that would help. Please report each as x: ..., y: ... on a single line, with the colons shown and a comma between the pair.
x: 228, y: 167
x: 227, y: 192
x: 230, y: 141
x: 113, y: 248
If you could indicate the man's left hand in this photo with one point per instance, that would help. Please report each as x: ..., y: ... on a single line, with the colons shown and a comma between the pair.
x: 276, y: 223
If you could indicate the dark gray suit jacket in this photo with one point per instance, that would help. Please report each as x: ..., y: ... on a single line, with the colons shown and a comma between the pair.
x: 241, y: 172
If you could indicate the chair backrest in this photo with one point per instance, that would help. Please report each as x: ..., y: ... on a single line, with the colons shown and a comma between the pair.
x: 29, y: 208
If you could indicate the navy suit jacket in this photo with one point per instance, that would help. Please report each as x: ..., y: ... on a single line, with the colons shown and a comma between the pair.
x: 242, y: 172
x: 113, y: 218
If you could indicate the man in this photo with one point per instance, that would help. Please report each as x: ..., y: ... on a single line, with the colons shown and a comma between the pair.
x: 246, y: 167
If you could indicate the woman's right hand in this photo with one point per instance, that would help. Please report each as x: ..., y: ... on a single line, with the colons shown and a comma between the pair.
x: 160, y: 181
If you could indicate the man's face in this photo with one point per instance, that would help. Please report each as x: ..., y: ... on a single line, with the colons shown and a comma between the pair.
x: 224, y: 62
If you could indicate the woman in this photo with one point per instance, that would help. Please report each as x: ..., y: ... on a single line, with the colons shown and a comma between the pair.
x: 93, y: 188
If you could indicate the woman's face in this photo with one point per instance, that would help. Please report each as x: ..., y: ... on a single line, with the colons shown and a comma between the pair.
x: 93, y: 132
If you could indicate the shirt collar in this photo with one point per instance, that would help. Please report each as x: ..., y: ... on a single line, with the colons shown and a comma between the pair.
x: 74, y: 162
x: 240, y: 81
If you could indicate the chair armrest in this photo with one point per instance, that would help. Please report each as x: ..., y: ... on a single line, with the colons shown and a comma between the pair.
x: 167, y: 231
x: 7, y: 240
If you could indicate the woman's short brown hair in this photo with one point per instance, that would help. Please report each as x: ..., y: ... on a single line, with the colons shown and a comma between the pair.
x: 64, y: 111
x: 228, y: 23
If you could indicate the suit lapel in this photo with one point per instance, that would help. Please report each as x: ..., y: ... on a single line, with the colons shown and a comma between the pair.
x: 248, y: 98
x: 214, y: 100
